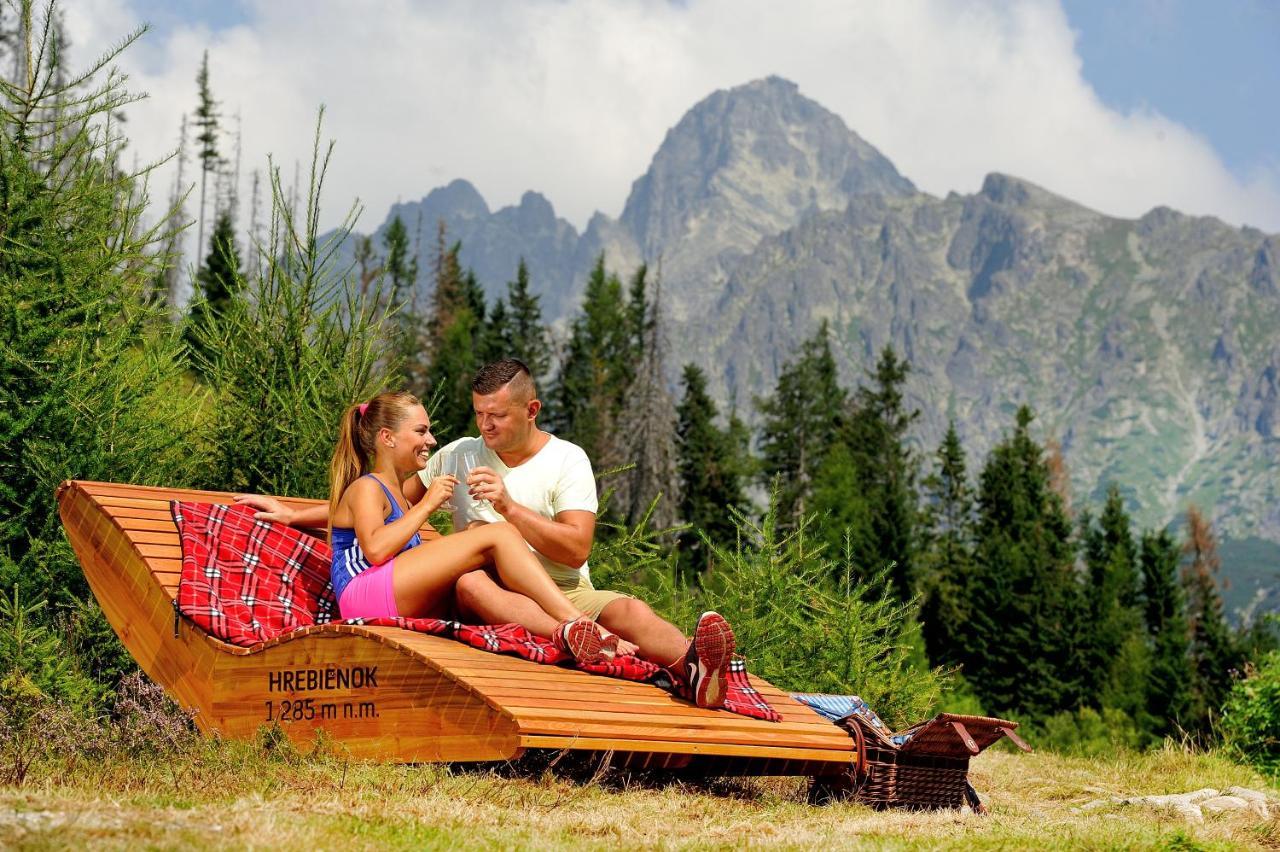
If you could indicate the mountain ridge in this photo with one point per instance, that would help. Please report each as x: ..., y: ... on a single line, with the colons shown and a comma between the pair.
x: 1144, y: 344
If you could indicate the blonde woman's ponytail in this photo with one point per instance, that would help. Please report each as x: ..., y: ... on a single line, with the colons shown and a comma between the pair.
x: 353, y: 455
x: 348, y: 463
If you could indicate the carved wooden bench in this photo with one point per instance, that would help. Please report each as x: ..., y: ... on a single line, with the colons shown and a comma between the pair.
x: 383, y: 693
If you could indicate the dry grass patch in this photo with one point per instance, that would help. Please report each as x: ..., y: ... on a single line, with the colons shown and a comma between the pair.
x: 227, y: 795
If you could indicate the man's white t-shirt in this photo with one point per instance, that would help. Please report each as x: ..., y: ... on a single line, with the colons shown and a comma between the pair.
x: 557, y: 479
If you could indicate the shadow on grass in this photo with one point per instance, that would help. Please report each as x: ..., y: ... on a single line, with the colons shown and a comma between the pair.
x: 597, y: 769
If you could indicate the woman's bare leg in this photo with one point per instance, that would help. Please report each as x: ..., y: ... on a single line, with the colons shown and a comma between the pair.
x: 425, y: 575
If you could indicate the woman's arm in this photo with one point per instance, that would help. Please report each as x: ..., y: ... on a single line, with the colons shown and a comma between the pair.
x: 380, y: 541
x: 271, y: 509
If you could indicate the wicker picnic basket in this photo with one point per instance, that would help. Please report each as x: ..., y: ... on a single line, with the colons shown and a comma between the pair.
x: 930, y: 769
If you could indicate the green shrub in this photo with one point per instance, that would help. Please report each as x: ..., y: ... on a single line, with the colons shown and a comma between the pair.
x: 297, y: 344
x: 1251, y: 718
x: 1087, y: 732
x: 33, y: 663
x: 91, y: 381
x: 795, y: 625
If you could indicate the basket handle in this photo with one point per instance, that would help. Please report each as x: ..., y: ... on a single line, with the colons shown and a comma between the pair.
x: 860, y: 743
x: 1017, y: 740
x: 963, y: 733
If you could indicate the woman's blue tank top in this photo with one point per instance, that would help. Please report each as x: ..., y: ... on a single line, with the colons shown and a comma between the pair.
x: 348, y: 559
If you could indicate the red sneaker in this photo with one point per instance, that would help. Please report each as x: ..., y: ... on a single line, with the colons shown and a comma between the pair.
x: 707, y: 660
x: 582, y: 638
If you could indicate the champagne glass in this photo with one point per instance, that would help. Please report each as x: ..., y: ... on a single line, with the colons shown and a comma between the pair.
x: 464, y: 462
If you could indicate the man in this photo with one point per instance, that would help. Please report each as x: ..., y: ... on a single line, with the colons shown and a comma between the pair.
x: 545, y: 488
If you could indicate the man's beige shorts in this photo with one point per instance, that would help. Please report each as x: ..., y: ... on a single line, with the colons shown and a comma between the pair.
x: 582, y: 594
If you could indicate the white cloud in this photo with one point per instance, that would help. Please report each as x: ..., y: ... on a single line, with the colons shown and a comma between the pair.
x: 572, y: 98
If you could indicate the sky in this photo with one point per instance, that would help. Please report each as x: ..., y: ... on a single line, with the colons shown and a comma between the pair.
x: 1121, y: 106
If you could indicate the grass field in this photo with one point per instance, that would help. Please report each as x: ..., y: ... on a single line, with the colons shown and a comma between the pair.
x: 234, y: 795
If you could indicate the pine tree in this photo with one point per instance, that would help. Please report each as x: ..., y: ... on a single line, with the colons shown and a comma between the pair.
x: 206, y: 139
x: 1168, y: 686
x: 1214, y: 656
x: 1116, y: 653
x: 947, y: 560
x: 711, y: 481
x: 1020, y: 646
x: 880, y: 468
x: 527, y: 338
x: 217, y: 283
x: 801, y: 423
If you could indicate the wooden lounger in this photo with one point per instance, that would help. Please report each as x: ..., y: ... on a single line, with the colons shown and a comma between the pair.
x: 389, y: 694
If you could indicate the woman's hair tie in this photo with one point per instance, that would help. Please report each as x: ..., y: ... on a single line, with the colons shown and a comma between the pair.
x: 362, y: 408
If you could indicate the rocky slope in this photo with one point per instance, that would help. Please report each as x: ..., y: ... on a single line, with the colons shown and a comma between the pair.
x: 1148, y: 347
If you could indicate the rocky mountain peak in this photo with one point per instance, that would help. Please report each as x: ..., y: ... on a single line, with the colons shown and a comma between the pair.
x: 761, y: 156
x: 457, y: 199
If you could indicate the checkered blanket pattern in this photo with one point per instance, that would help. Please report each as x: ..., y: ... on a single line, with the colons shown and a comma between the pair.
x: 249, y: 582
x: 837, y: 707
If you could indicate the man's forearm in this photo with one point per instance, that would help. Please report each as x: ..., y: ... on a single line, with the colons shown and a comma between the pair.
x: 557, y: 541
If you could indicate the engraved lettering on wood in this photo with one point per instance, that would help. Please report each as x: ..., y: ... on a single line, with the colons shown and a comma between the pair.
x: 328, y: 679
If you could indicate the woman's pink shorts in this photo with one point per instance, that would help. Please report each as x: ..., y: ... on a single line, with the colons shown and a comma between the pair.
x: 370, y: 594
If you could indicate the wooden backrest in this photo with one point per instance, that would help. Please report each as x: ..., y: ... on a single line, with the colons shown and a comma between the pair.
x: 142, y: 513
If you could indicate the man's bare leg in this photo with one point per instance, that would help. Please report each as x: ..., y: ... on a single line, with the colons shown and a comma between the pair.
x: 703, y: 663
x: 482, y: 600
x: 660, y: 641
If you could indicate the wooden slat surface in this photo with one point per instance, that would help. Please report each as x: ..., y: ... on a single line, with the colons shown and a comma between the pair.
x: 467, y: 689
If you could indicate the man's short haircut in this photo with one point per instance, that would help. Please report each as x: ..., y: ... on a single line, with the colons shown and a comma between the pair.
x: 493, y: 377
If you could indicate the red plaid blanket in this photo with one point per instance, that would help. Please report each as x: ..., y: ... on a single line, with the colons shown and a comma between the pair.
x: 250, y: 582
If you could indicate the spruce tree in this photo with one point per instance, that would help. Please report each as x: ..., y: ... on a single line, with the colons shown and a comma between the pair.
x: 217, y: 283
x: 447, y: 297
x: 368, y: 264
x: 589, y: 391
x: 455, y: 335
x: 1116, y: 653
x: 947, y: 558
x: 1214, y: 656
x: 400, y: 267
x: 498, y: 341
x: 801, y: 423
x: 527, y: 336
x: 879, y: 467
x: 711, y: 484
x: 1168, y: 685
x: 1020, y: 645
x: 638, y: 316
x: 206, y: 123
